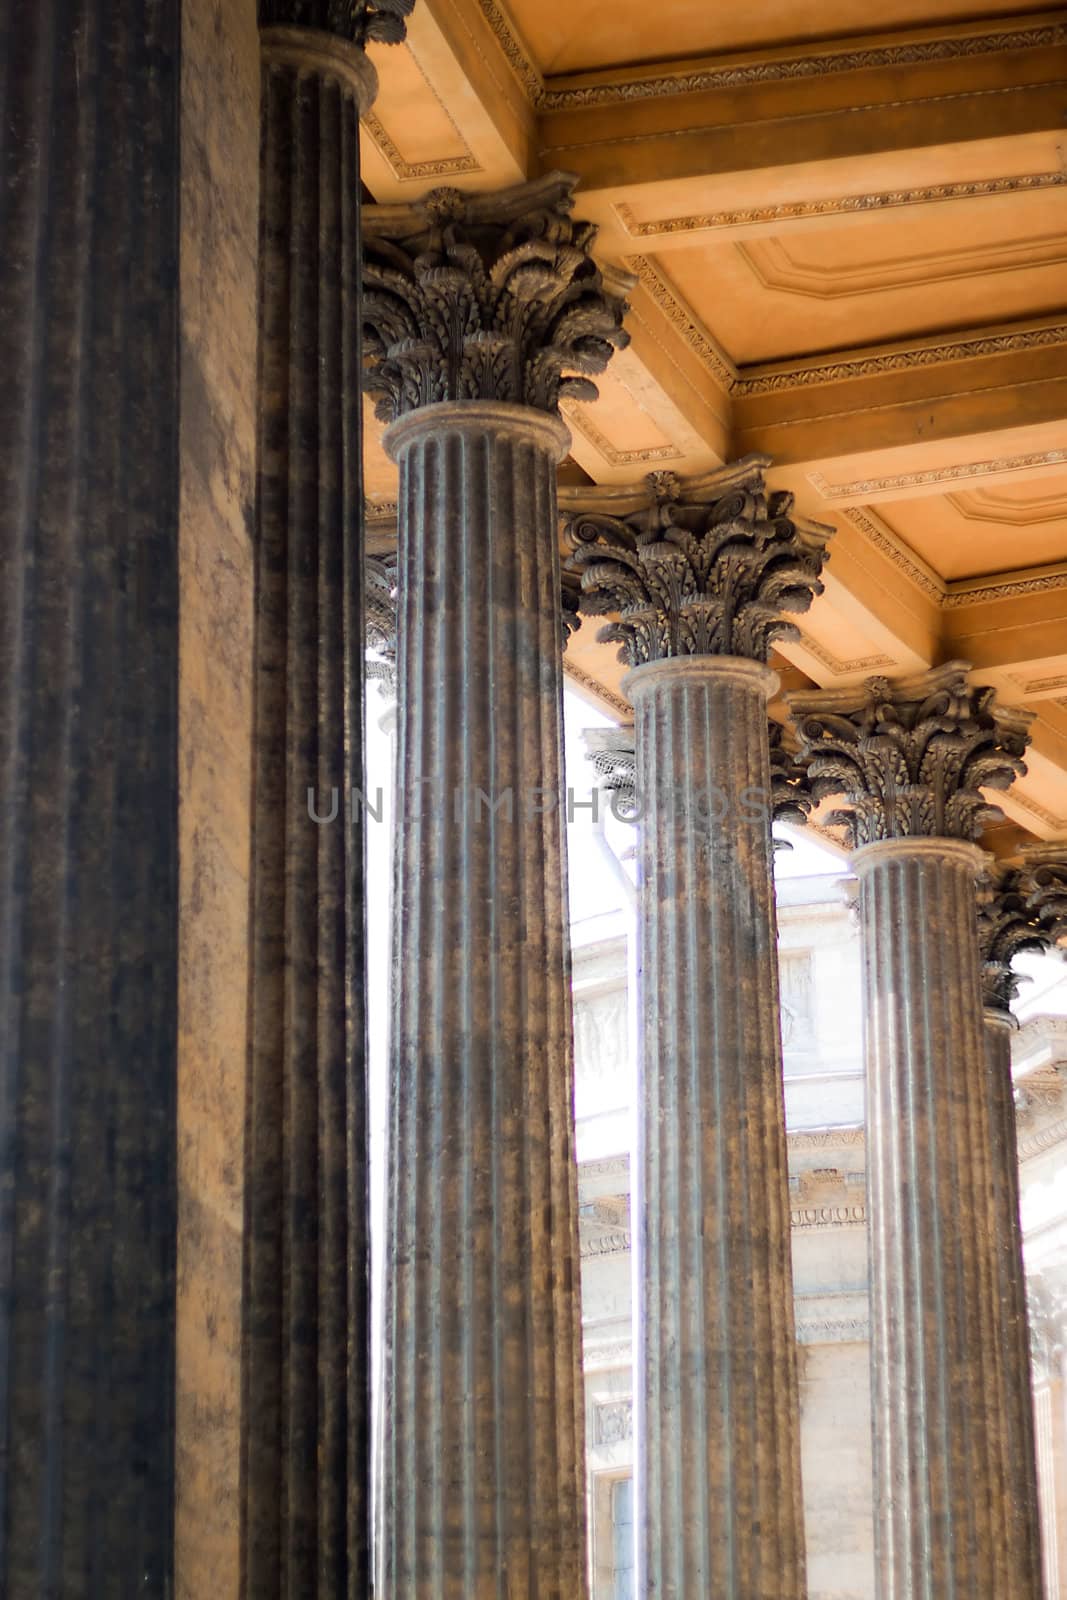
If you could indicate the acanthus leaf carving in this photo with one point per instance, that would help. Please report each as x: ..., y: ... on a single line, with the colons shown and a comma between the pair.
x: 1006, y: 928
x: 910, y: 758
x: 485, y: 297
x: 380, y: 620
x: 358, y: 21
x: 1047, y: 867
x: 695, y: 567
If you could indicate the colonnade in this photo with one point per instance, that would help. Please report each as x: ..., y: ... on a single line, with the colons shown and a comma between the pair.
x: 472, y: 316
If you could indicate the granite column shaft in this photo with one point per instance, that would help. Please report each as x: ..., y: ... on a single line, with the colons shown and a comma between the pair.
x: 1016, y: 1386
x: 306, y: 1402
x: 943, y: 1490
x: 483, y: 1461
x: 718, y: 1413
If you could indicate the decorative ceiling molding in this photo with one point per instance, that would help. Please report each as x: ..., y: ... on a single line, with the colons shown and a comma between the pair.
x: 901, y: 359
x: 515, y: 50
x: 707, y: 350
x: 901, y: 555
x: 621, y: 707
x: 834, y: 663
x: 1049, y: 818
x: 969, y: 591
x: 935, y: 476
x: 773, y: 267
x: 1039, y: 685
x: 836, y: 205
x: 604, y: 447
x: 983, y: 505
x: 407, y: 172
x: 415, y: 171
x: 771, y: 67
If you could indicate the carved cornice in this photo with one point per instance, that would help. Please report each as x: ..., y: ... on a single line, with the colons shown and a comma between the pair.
x: 358, y: 21
x: 836, y: 205
x: 703, y: 566
x: 415, y: 171
x: 484, y: 297
x: 779, y: 67
x: 910, y: 758
x: 617, y: 702
x: 1006, y: 928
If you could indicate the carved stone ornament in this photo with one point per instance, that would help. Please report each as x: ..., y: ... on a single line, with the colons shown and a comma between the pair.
x: 380, y: 601
x: 1006, y: 927
x: 358, y: 21
x: 485, y: 297
x: 790, y: 793
x: 1047, y: 867
x: 911, y: 758
x: 692, y: 567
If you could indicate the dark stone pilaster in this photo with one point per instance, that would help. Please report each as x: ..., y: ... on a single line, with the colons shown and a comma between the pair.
x: 88, y: 796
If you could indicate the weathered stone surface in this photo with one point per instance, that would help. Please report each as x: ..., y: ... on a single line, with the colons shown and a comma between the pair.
x: 485, y: 296
x: 89, y: 206
x: 220, y: 218
x: 949, y: 1374
x: 483, y: 1462
x: 718, y: 1469
x: 306, y: 1379
x: 1046, y: 865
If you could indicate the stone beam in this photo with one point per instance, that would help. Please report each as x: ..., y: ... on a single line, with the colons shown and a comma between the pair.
x: 905, y: 93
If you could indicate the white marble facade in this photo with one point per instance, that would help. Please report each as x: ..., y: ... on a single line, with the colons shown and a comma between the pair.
x: 822, y: 1028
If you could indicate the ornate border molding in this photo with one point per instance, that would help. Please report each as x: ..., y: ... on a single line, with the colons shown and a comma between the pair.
x: 936, y: 475
x: 410, y: 171
x: 889, y: 545
x: 966, y: 592
x: 836, y: 205
x: 616, y: 458
x: 777, y: 68
x: 622, y: 707
x: 1040, y: 685
x: 930, y: 355
x: 1058, y: 825
x: 1037, y: 1143
x: 514, y: 50
x: 835, y: 1330
x: 808, y: 1217
x: 678, y: 313
x: 838, y: 667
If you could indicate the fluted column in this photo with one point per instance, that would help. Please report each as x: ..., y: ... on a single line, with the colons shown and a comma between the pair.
x: 911, y: 759
x: 306, y: 1380
x: 698, y: 575
x: 1006, y: 928
x: 89, y: 186
x: 483, y: 1471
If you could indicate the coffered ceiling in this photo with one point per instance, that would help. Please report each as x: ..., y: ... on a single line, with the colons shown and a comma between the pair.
x: 849, y: 250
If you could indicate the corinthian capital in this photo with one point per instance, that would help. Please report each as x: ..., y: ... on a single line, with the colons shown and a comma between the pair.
x: 1047, y: 866
x: 358, y: 21
x: 380, y: 620
x: 703, y: 566
x: 911, y: 758
x: 1006, y: 927
x: 485, y: 297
